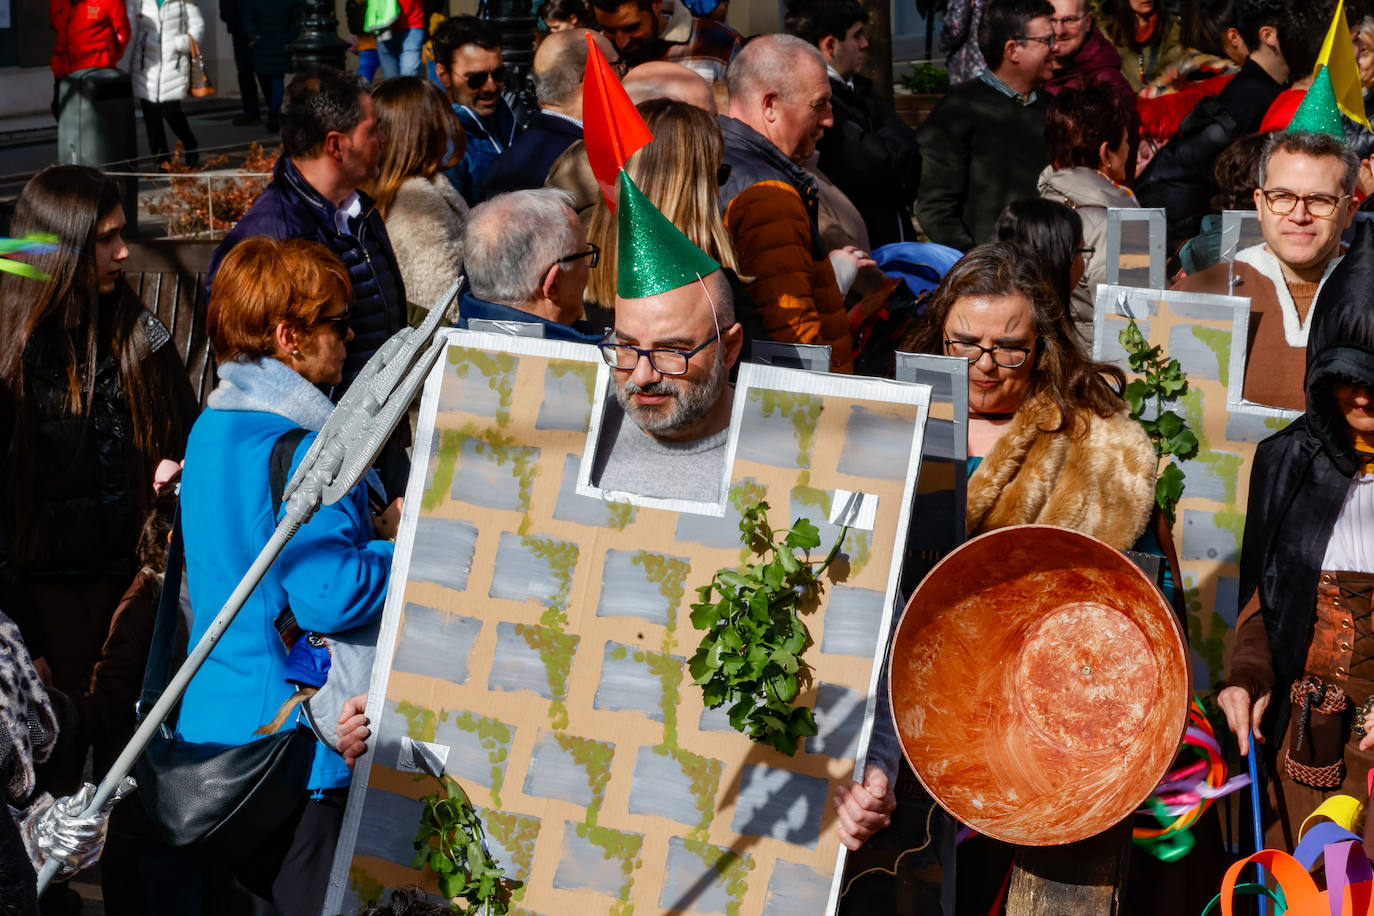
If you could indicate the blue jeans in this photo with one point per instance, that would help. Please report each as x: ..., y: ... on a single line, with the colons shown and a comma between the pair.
x: 399, y: 51
x: 368, y: 64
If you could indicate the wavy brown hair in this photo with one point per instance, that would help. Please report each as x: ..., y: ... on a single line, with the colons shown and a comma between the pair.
x: 1063, y: 372
x: 423, y: 134
x: 677, y: 171
x: 68, y: 201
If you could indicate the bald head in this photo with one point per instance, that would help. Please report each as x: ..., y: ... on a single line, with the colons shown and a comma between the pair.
x: 779, y: 87
x: 662, y: 79
x: 559, y: 65
x: 771, y: 63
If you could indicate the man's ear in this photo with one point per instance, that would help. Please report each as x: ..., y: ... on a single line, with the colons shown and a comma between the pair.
x: 1011, y: 50
x: 1259, y: 200
x: 549, y: 284
x: 1268, y: 35
x: 733, y: 340
x: 333, y: 145
x: 445, y: 77
x: 827, y: 46
x: 769, y: 102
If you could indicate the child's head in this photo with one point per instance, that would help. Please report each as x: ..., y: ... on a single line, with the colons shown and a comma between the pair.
x: 157, y: 527
x: 407, y: 901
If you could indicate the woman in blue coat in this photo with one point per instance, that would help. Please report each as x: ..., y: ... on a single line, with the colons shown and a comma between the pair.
x: 278, y: 321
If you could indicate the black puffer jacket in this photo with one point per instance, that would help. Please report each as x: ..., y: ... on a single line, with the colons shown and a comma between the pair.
x: 289, y: 208
x: 90, y: 485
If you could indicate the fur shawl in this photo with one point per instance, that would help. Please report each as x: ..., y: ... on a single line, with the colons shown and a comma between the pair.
x: 1099, y: 481
x: 425, y: 225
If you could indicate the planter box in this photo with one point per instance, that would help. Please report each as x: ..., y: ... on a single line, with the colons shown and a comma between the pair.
x: 914, y: 108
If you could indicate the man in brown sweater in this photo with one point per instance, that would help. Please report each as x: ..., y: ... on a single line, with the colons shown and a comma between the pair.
x: 1305, y: 202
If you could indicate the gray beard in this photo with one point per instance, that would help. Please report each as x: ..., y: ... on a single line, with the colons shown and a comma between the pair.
x: 686, y: 407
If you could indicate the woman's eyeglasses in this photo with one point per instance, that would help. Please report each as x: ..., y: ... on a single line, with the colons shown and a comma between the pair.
x: 338, y: 322
x: 1006, y: 357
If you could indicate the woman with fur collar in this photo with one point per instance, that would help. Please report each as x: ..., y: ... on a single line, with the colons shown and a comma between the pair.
x: 1303, y: 653
x: 424, y: 213
x: 1053, y: 441
x: 1050, y: 440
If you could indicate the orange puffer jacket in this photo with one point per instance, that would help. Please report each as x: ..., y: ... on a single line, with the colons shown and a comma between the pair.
x: 769, y: 208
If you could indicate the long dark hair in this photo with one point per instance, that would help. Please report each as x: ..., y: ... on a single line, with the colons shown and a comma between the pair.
x: 67, y: 201
x: 1049, y: 232
x: 1063, y: 372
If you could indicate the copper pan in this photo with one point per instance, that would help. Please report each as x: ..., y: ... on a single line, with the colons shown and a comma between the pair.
x: 1039, y: 683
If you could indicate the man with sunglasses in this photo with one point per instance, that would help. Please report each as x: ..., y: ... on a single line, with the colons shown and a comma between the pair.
x: 527, y: 258
x: 559, y: 66
x: 983, y: 145
x: 468, y: 64
x: 1305, y: 201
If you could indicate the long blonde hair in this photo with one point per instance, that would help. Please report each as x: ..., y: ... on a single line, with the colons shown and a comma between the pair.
x: 423, y: 135
x: 677, y: 171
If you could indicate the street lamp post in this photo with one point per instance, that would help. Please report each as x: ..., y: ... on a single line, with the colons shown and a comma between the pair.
x: 319, y: 44
x: 514, y: 20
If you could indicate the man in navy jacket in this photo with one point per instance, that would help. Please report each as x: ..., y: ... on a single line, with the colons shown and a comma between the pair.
x: 559, y: 66
x: 332, y: 144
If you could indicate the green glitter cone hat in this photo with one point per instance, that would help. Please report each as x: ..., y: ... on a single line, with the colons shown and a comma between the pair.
x: 1318, y: 112
x: 653, y: 254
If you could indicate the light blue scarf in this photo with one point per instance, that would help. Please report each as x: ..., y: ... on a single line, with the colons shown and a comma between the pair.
x: 268, y: 385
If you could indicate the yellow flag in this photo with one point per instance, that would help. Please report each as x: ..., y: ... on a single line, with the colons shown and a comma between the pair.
x: 1338, y: 55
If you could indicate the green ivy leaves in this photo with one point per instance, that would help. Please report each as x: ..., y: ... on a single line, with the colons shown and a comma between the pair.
x: 1161, y: 380
x: 751, y: 654
x: 450, y: 842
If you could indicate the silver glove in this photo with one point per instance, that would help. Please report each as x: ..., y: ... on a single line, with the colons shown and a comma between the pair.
x: 62, y: 832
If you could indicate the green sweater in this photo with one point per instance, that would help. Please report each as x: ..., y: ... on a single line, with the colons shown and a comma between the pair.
x: 981, y: 150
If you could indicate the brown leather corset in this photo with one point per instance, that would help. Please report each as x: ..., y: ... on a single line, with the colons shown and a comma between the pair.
x: 1342, y: 647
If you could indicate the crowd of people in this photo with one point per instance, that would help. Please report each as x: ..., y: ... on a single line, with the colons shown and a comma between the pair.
x: 782, y: 198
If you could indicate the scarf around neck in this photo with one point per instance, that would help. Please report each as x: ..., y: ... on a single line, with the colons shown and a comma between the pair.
x: 268, y: 385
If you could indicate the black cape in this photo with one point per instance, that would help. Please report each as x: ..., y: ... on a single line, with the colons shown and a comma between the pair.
x: 1302, y: 474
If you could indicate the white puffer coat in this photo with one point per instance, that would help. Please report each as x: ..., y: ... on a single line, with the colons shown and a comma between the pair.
x: 160, y: 50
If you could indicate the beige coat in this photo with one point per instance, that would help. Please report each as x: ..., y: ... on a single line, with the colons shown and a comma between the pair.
x: 425, y: 226
x: 1098, y: 480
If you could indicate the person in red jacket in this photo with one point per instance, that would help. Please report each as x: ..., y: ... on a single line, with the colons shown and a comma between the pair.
x: 90, y: 33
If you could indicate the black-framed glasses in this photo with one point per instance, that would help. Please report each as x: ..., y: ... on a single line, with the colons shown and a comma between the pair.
x: 1086, y: 251
x: 1006, y: 357
x: 1282, y: 202
x: 478, y: 79
x: 1050, y: 40
x: 338, y: 322
x: 592, y: 254
x: 1069, y: 20
x: 664, y: 361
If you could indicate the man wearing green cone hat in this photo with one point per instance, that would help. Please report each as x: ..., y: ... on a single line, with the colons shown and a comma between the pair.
x: 1305, y: 201
x: 674, y: 342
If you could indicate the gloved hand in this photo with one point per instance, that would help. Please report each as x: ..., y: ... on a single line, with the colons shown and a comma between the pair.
x: 61, y: 832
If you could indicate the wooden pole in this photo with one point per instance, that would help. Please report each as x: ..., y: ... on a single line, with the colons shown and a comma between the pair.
x: 1087, y: 878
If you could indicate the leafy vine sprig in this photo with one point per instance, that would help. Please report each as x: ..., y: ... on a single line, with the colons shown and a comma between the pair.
x: 1161, y: 382
x: 450, y: 841
x: 750, y: 655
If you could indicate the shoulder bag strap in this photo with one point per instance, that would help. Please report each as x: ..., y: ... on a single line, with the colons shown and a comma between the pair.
x: 280, y: 467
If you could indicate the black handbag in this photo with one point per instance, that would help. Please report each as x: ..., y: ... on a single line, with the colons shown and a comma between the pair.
x: 215, y: 796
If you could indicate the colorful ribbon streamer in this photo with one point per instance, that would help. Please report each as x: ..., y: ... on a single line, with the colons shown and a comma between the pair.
x: 29, y: 244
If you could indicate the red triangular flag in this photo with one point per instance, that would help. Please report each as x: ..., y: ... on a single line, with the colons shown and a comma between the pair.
x: 611, y: 126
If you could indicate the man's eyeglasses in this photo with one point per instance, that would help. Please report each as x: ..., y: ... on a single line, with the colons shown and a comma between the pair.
x: 1006, y: 357
x: 1049, y: 40
x: 1320, y: 206
x: 1086, y: 251
x: 479, y: 79
x: 664, y: 361
x: 1068, y: 20
x: 592, y: 254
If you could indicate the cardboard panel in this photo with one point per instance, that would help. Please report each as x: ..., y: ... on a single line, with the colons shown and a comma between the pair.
x: 536, y: 637
x: 1203, y: 332
x: 1135, y: 247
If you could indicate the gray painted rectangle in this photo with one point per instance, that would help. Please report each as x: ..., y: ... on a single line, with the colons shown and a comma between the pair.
x: 1203, y: 539
x: 779, y: 804
x: 584, y: 866
x: 628, y: 683
x: 389, y: 823
x: 522, y: 574
x: 875, y: 445
x: 554, y: 773
x: 517, y: 665
x: 483, y: 478
x: 442, y: 552
x: 435, y: 643
x: 662, y: 789
x: 839, y: 718
x: 626, y: 590
x: 852, y: 619
x: 794, y: 889
x: 690, y: 886
x: 567, y: 402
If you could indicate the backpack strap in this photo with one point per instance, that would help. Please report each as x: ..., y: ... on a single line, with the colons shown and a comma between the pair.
x: 279, y: 467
